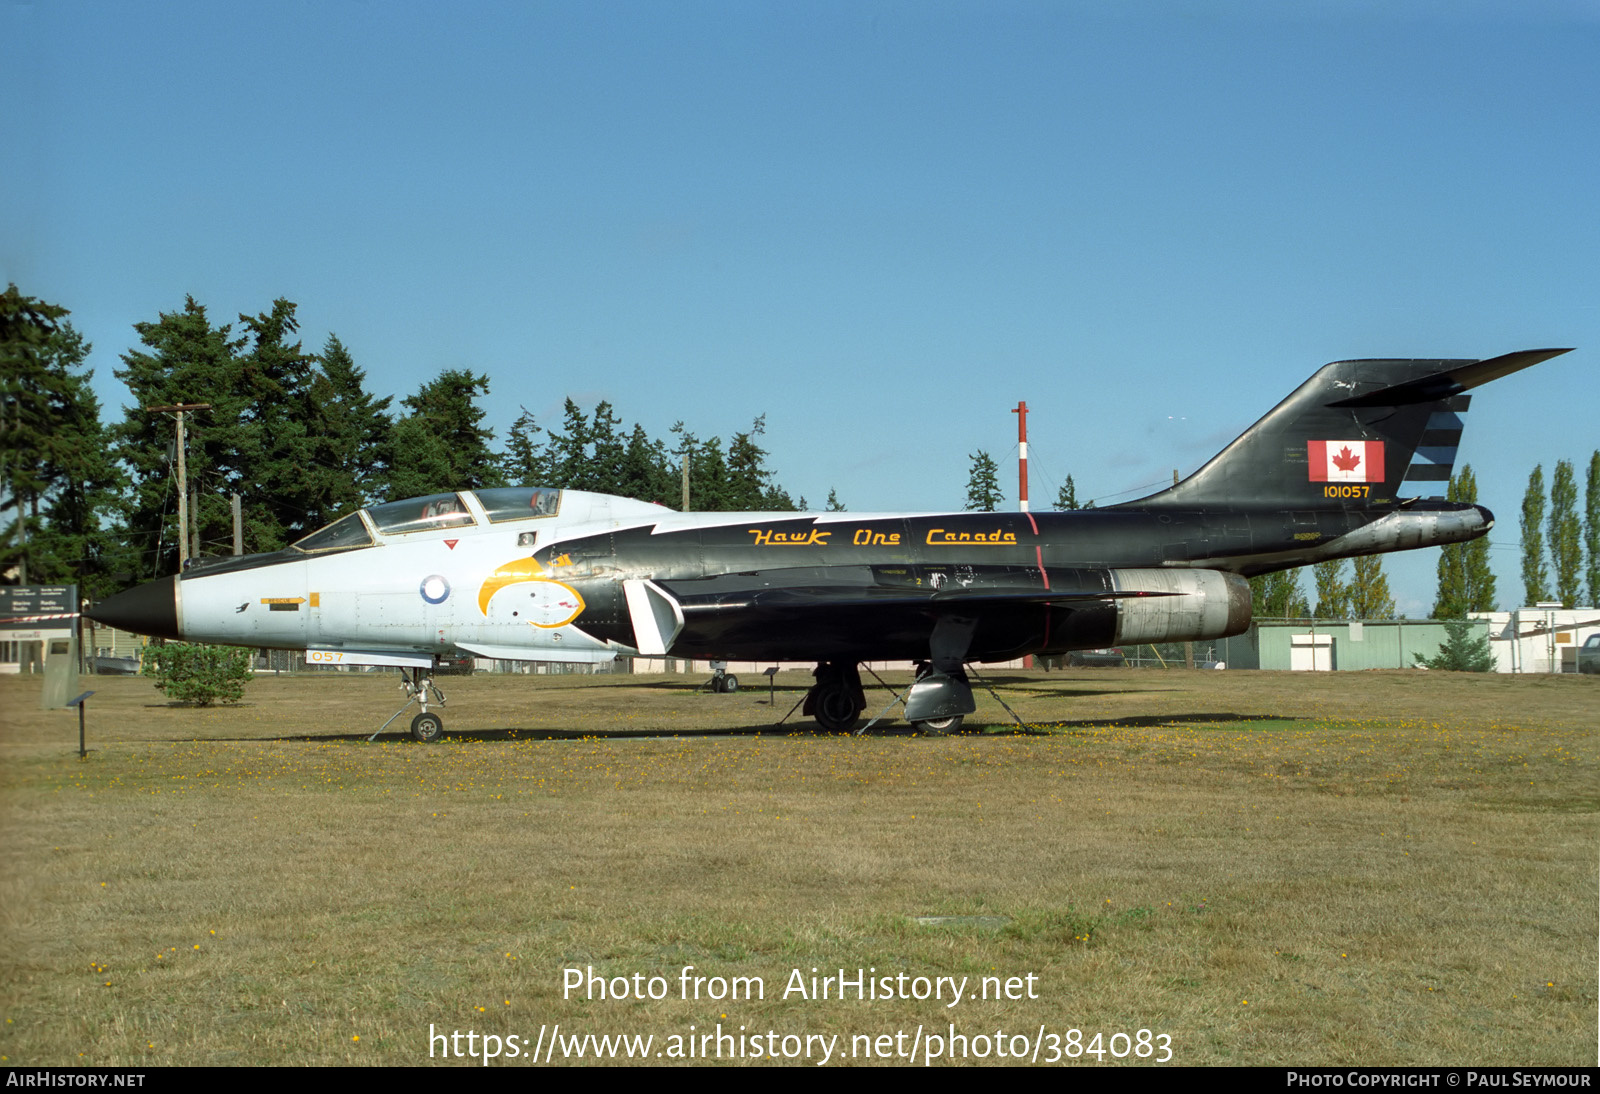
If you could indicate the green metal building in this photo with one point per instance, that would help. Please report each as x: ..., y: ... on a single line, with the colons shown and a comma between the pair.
x: 1325, y: 644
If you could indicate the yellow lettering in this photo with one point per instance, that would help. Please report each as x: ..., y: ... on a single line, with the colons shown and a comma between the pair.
x: 766, y: 537
x: 939, y: 537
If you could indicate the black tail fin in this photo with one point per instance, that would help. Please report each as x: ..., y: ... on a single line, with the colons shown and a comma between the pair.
x: 1357, y: 434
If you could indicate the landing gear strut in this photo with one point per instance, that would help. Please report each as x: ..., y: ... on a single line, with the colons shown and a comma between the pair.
x: 426, y: 727
x: 722, y: 681
x: 942, y: 699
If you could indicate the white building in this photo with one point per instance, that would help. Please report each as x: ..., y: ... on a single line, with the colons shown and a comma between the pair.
x: 1544, y: 638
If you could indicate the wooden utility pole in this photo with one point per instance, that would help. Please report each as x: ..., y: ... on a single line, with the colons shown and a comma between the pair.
x: 178, y: 410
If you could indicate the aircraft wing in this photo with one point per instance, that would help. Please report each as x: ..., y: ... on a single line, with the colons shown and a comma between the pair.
x: 847, y: 587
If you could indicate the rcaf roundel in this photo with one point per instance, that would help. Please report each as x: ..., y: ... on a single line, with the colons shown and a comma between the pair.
x: 1345, y: 461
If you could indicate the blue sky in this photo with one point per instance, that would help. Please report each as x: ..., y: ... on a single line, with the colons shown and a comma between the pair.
x: 878, y: 224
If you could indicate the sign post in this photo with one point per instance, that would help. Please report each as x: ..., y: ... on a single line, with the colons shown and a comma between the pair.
x: 80, y: 702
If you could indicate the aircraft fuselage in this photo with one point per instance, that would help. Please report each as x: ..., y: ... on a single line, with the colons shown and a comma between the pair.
x: 833, y: 586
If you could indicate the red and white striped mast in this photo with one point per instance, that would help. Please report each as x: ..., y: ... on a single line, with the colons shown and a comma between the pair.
x: 1021, y: 411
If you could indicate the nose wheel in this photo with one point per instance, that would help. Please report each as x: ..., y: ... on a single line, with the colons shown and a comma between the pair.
x: 427, y: 726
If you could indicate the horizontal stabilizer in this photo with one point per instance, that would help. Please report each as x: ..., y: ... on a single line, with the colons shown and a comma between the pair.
x: 833, y: 596
x: 1451, y: 381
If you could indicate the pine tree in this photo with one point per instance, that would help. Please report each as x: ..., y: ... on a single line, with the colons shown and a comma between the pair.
x: 983, y: 484
x: 834, y: 504
x: 606, y: 450
x: 278, y: 476
x: 57, y: 471
x: 1479, y: 574
x: 1333, y: 594
x: 186, y: 360
x: 750, y: 484
x: 1369, y: 590
x: 1277, y: 596
x: 568, y: 450
x: 647, y: 471
x: 1466, y: 581
x: 26, y: 326
x: 1566, y: 534
x: 349, y: 431
x: 1591, y: 527
x: 76, y: 544
x: 442, y: 445
x: 708, y: 470
x: 1461, y: 651
x: 526, y: 461
x: 1534, y: 574
x: 1067, y: 496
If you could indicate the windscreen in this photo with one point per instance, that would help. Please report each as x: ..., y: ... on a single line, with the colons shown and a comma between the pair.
x: 520, y: 502
x: 420, y: 514
x: 344, y: 533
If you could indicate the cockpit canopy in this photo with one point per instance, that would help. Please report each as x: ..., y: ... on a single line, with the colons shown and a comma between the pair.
x: 463, y: 509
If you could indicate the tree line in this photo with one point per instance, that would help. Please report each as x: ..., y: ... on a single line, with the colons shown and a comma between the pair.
x: 297, y: 435
x: 302, y: 441
x: 1570, y: 556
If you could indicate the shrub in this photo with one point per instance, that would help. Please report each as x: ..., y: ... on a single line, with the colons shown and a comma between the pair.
x: 1461, y: 651
x: 200, y: 675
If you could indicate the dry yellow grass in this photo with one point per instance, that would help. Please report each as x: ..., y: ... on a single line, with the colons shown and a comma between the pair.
x: 1375, y: 868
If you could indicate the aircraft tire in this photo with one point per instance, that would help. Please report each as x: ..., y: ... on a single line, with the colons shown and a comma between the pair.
x: 938, y: 727
x: 835, y: 709
x: 730, y: 684
x: 427, y: 727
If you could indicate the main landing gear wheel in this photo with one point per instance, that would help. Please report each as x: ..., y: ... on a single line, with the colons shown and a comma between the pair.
x: 427, y: 727
x: 835, y: 709
x: 835, y: 700
x: 938, y: 727
x: 725, y: 685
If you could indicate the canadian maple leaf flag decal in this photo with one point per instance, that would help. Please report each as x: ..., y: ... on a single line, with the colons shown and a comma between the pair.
x: 1345, y: 461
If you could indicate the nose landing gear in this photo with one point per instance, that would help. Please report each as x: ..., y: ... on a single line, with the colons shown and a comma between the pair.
x: 427, y: 726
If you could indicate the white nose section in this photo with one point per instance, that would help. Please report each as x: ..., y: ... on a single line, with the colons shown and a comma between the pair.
x: 657, y: 618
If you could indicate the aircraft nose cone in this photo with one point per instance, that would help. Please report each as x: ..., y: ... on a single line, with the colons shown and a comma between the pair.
x: 1487, y: 517
x: 151, y: 608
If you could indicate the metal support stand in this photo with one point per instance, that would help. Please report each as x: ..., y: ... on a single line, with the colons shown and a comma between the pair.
x: 792, y: 709
x: 879, y: 717
x: 898, y: 698
x: 990, y: 689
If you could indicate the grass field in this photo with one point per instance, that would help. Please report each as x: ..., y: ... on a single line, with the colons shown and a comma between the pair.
x: 1346, y: 868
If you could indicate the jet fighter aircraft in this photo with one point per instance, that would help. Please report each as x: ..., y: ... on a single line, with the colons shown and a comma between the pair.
x: 1354, y: 462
